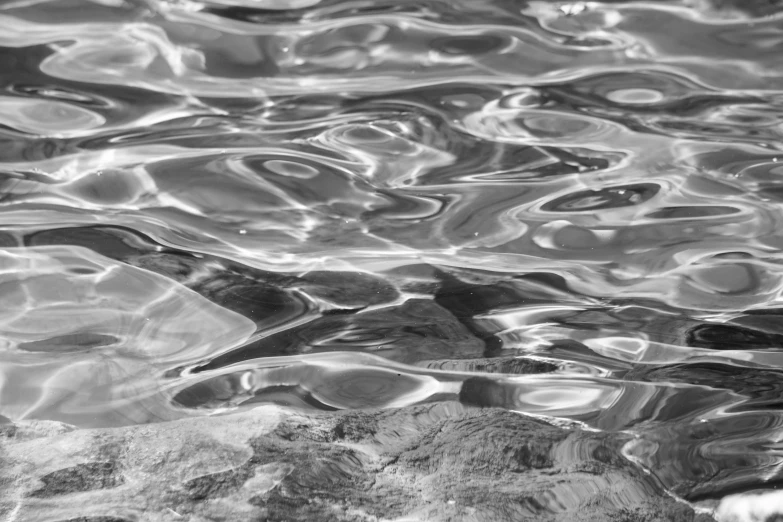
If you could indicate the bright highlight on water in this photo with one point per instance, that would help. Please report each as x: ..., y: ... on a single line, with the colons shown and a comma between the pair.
x: 361, y: 225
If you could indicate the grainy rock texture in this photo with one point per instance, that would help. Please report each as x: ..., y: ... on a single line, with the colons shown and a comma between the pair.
x: 440, y: 462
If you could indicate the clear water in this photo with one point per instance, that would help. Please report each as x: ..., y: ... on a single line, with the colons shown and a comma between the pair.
x: 571, y: 210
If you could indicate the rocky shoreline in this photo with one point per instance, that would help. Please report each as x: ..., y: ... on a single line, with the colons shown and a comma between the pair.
x: 437, y: 462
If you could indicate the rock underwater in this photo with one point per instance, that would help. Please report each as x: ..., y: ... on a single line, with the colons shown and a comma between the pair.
x: 437, y: 462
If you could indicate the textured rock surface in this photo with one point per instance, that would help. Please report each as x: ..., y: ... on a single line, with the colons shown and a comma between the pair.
x: 438, y: 462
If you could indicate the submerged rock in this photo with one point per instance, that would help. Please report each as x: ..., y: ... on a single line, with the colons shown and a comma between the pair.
x: 439, y: 462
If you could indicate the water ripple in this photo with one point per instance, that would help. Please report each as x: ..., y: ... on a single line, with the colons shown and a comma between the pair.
x: 568, y: 210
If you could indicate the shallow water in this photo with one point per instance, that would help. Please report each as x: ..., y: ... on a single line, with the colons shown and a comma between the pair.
x: 570, y: 210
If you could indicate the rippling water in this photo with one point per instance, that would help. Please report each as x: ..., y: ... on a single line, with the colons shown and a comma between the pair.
x: 569, y: 210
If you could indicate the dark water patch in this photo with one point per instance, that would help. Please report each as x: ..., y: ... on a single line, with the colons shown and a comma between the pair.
x: 691, y: 212
x: 762, y: 386
x: 558, y: 209
x: 114, y: 242
x: 69, y: 343
x: 467, y: 44
x: 726, y: 337
x: 608, y: 198
x: 416, y: 330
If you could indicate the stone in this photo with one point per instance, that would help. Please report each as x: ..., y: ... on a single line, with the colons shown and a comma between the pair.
x: 438, y: 462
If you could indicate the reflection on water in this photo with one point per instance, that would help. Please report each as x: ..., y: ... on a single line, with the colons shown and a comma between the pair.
x: 568, y: 210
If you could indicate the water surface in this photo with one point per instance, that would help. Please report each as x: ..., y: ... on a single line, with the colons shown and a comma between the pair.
x: 570, y: 210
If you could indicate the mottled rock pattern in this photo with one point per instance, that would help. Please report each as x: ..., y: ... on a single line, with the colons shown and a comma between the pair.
x: 439, y: 462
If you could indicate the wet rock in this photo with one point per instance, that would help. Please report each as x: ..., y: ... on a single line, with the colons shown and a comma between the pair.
x: 79, y: 478
x: 417, y: 330
x: 266, y: 305
x: 249, y: 289
x: 349, y: 289
x: 439, y: 462
x: 33, y: 429
x: 469, y: 296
